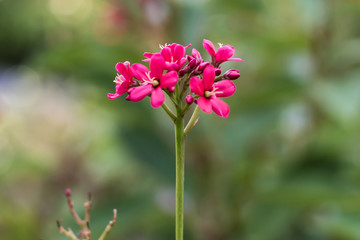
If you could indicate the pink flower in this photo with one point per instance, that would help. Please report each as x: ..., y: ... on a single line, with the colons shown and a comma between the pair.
x: 152, y: 81
x: 223, y: 54
x: 173, y: 54
x: 210, y: 92
x: 124, y: 81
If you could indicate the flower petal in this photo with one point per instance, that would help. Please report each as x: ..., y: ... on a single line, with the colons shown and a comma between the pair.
x: 195, y: 53
x: 157, y: 66
x: 202, y: 66
x: 172, y: 47
x: 220, y: 107
x: 236, y: 59
x: 204, y: 104
x: 169, y: 79
x: 197, y: 86
x: 225, y: 88
x: 113, y: 96
x: 122, y: 88
x: 139, y: 71
x: 166, y: 53
x: 209, y: 46
x: 171, y: 66
x: 148, y: 56
x: 179, y: 52
x: 157, y: 97
x: 208, y: 77
x: 139, y: 93
x: 123, y: 68
x: 224, y: 53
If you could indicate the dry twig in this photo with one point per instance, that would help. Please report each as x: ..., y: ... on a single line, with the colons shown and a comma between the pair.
x: 85, y: 232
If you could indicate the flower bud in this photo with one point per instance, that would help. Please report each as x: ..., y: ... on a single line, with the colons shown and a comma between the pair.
x: 232, y: 74
x: 195, y: 53
x: 189, y: 99
x: 68, y: 192
x: 181, y: 72
x: 202, y: 66
x: 192, y: 63
x: 217, y: 71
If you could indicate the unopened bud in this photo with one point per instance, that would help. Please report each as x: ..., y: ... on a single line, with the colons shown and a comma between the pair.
x: 232, y: 74
x: 189, y: 99
x: 68, y: 192
x: 195, y: 53
x: 189, y: 67
x: 192, y: 63
x: 181, y: 72
x: 217, y: 71
x: 202, y: 66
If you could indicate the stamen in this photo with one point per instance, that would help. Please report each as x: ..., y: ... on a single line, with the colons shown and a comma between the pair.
x: 220, y: 44
x: 163, y: 46
x: 119, y: 79
x: 213, y: 92
x: 150, y: 80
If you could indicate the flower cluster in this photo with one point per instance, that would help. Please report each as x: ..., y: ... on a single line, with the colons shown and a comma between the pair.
x: 186, y: 79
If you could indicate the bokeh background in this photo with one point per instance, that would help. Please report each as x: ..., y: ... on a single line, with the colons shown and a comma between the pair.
x: 284, y: 165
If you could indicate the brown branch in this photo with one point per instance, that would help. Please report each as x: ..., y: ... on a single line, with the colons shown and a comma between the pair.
x: 87, y: 206
x: 109, y: 226
x: 85, y: 232
x: 70, y: 204
x: 69, y: 233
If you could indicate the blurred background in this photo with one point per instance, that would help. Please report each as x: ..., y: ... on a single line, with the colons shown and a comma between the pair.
x: 284, y: 165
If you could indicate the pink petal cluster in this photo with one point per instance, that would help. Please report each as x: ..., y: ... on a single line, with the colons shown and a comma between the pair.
x: 123, y: 81
x: 171, y: 68
x: 173, y: 54
x: 152, y: 81
x: 223, y: 54
x: 209, y: 92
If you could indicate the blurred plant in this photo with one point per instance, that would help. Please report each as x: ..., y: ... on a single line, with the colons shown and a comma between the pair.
x: 85, y: 232
x: 183, y: 86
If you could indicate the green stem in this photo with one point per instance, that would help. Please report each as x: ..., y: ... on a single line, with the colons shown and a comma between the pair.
x: 193, y: 120
x: 169, y: 112
x: 171, y: 96
x: 185, y: 109
x: 180, y: 150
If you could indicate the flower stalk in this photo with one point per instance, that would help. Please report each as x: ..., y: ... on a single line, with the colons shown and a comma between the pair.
x: 186, y: 79
x: 180, y: 152
x: 193, y: 120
